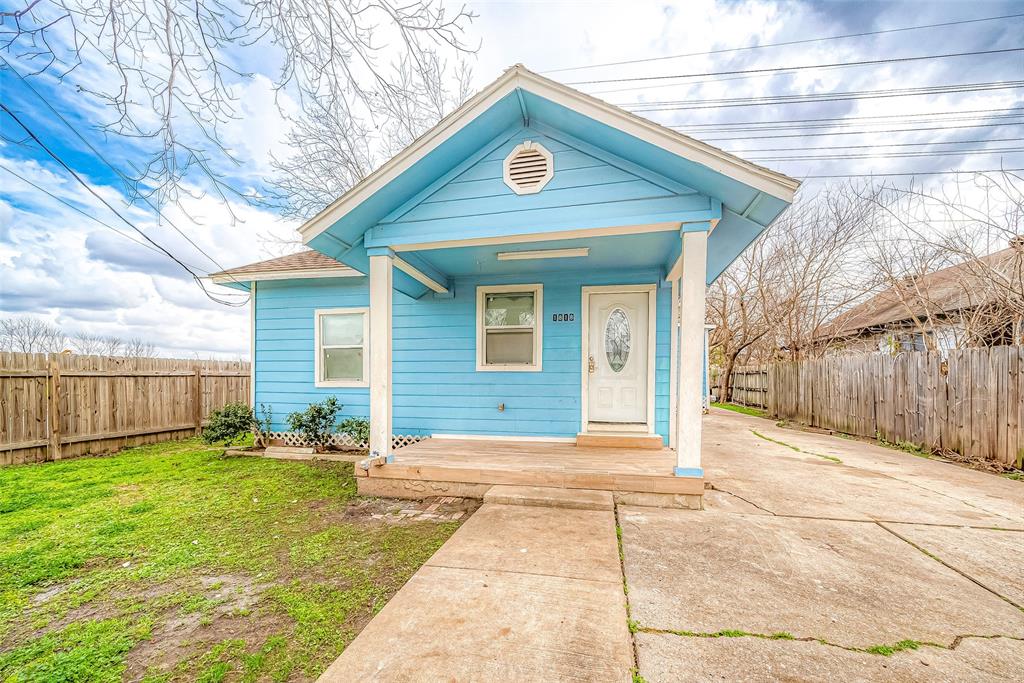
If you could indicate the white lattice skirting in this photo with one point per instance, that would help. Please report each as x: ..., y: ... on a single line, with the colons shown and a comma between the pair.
x: 346, y: 441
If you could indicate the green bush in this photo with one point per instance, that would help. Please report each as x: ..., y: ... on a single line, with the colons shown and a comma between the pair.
x: 229, y: 425
x: 356, y: 427
x: 263, y: 425
x: 316, y: 423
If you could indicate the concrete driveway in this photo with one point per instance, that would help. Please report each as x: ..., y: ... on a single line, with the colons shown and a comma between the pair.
x: 820, y: 558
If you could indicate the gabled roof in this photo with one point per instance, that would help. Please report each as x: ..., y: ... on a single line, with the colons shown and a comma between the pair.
x: 304, y: 264
x: 946, y: 291
x: 521, y: 94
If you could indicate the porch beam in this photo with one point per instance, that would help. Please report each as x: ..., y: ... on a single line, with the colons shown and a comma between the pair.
x: 674, y: 265
x: 541, y: 223
x: 421, y: 270
x: 689, y: 403
x: 381, y: 293
x: 527, y: 238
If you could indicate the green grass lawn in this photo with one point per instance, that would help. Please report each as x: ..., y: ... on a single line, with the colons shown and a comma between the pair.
x: 746, y: 410
x: 172, y: 562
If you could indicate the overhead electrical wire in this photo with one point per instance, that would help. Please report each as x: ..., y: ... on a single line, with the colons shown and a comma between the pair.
x: 53, y: 155
x: 847, y: 132
x: 912, y: 173
x: 841, y: 120
x: 109, y: 165
x: 814, y: 98
x: 885, y: 144
x: 894, y: 155
x: 82, y: 211
x: 801, y: 67
x: 785, y: 43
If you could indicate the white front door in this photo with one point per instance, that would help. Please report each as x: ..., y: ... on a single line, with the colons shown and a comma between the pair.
x: 617, y: 363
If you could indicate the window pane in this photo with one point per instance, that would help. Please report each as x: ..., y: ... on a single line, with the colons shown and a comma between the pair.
x: 343, y: 364
x: 514, y: 347
x: 513, y: 308
x: 342, y: 330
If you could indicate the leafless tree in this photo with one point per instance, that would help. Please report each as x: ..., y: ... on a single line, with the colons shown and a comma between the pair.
x: 775, y: 300
x: 954, y: 258
x: 167, y: 71
x: 137, y: 348
x: 31, y: 335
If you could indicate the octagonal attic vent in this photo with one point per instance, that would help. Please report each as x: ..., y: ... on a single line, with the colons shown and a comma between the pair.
x: 529, y: 168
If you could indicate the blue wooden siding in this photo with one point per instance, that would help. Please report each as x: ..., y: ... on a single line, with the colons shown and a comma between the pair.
x: 436, y: 388
x: 588, y: 185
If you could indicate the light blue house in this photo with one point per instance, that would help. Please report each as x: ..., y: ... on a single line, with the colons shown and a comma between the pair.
x: 515, y: 275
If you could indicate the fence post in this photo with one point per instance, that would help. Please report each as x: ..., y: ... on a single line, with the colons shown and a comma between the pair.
x: 53, y: 406
x: 197, y: 399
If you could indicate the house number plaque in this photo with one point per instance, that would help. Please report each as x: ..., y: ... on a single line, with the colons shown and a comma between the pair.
x: 563, y: 317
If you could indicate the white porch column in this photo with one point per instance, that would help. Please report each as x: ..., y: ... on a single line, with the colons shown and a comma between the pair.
x: 381, y: 261
x: 689, y: 403
x: 673, y: 367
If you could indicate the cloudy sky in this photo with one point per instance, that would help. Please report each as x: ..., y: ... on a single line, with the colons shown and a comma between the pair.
x: 66, y: 257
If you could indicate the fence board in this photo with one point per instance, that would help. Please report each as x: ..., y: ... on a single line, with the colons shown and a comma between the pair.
x: 59, y: 405
x: 970, y: 402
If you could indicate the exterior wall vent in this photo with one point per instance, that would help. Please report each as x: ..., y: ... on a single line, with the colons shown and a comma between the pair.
x: 529, y: 168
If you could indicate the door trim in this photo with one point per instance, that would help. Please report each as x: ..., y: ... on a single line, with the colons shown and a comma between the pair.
x: 652, y: 296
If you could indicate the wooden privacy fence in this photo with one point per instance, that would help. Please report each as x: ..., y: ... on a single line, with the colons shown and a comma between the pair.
x: 970, y: 402
x: 748, y: 386
x: 55, y: 406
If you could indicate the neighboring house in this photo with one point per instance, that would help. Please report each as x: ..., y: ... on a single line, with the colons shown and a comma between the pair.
x: 510, y: 275
x: 959, y: 306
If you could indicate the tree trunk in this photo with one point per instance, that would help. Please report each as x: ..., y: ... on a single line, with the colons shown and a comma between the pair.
x: 724, y: 382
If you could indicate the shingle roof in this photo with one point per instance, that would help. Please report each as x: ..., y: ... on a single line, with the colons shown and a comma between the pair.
x: 951, y: 289
x: 306, y: 260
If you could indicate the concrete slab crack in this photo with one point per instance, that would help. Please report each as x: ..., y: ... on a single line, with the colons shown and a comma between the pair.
x: 949, y: 566
x: 883, y: 649
x: 637, y: 678
x: 736, y: 495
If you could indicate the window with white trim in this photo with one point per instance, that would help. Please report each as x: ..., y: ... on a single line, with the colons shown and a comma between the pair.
x: 342, y: 359
x: 509, y: 327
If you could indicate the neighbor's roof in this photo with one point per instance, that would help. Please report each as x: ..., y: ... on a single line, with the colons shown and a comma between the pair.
x: 959, y: 287
x: 304, y: 264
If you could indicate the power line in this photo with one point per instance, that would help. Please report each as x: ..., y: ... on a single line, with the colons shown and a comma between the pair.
x: 811, y: 98
x: 990, y: 113
x: 81, y: 211
x: 53, y: 155
x: 894, y: 155
x: 785, y: 43
x: 802, y: 67
x: 847, y: 132
x: 109, y: 165
x: 913, y: 173
x: 888, y: 144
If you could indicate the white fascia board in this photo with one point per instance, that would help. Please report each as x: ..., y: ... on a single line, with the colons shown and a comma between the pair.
x: 768, y: 181
x: 285, y: 275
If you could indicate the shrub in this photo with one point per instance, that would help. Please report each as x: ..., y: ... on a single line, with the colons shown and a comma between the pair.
x: 356, y: 427
x: 229, y: 424
x: 262, y: 426
x: 316, y: 423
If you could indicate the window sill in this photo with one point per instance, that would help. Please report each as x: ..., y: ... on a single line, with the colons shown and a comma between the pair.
x: 508, y: 368
x: 341, y: 384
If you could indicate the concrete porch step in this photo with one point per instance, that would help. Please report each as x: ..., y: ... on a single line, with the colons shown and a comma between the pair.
x: 546, y: 496
x: 619, y: 440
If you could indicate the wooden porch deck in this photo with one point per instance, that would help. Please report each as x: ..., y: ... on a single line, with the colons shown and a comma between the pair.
x: 467, y: 468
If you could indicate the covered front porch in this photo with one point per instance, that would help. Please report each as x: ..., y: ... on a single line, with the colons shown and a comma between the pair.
x: 470, y: 467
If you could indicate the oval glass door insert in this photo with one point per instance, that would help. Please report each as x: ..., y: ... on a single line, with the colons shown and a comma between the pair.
x: 616, y: 339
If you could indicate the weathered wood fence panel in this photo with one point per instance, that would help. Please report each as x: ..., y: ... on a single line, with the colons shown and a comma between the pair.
x: 748, y: 386
x: 55, y: 406
x: 970, y: 402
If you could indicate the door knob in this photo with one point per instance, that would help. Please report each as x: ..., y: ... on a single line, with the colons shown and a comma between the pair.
x: 591, y: 365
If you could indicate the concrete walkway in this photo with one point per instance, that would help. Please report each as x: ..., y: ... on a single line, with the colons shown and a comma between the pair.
x: 518, y: 593
x: 879, y: 567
